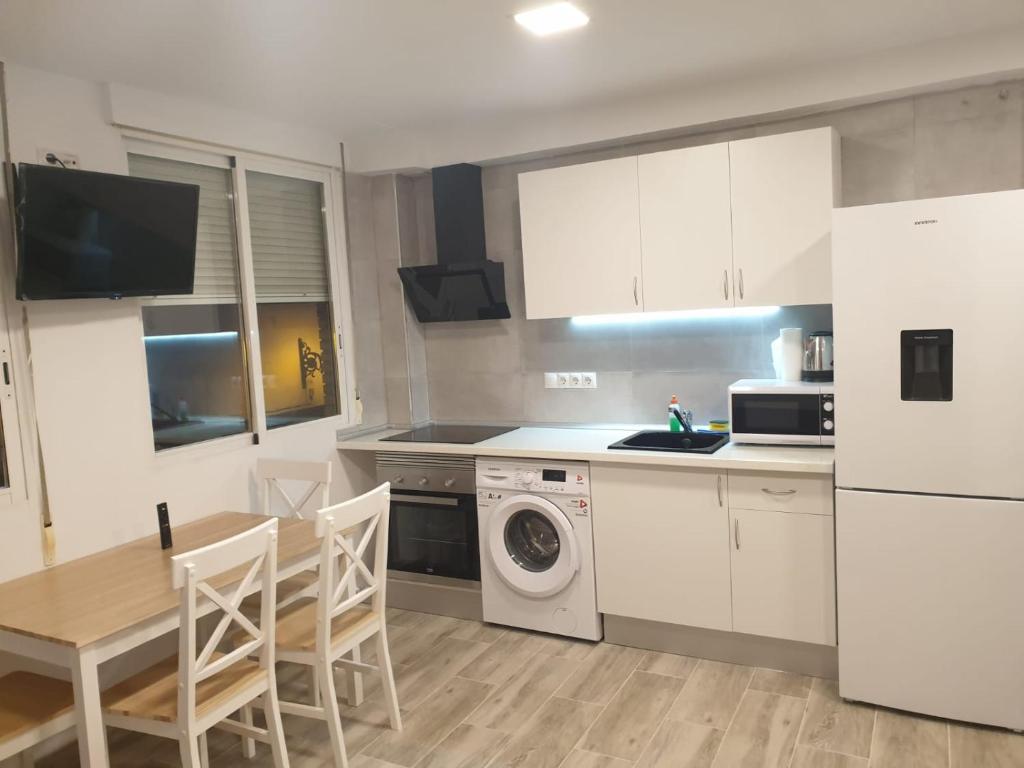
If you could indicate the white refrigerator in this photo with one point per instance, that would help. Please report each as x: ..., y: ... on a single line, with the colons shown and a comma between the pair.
x: 929, y: 339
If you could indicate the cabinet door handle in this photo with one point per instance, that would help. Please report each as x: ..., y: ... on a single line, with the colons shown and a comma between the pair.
x: 725, y: 283
x: 741, y: 282
x: 636, y: 296
x: 736, y: 532
x: 719, y: 490
x: 770, y: 492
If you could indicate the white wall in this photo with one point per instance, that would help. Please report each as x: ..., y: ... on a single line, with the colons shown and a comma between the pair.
x: 102, y: 475
x: 137, y: 108
x: 700, y: 106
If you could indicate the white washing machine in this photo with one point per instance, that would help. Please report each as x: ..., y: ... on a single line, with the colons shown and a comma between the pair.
x: 537, y: 546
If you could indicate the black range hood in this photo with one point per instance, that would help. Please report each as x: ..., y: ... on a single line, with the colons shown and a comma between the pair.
x: 463, y: 285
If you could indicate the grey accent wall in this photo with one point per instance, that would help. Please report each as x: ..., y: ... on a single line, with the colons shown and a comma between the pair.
x: 949, y: 143
x: 413, y: 252
x: 362, y: 264
x: 391, y: 362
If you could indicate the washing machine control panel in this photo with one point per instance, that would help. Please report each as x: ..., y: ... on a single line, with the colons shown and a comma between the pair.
x: 572, y: 479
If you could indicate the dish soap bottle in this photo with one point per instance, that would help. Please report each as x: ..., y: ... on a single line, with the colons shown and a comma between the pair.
x: 673, y: 415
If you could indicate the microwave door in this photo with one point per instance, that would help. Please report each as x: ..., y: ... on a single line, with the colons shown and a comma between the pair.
x: 776, y: 418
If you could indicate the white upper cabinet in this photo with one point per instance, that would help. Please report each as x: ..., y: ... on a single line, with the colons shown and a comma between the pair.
x: 686, y: 228
x: 743, y: 223
x: 783, y: 190
x: 581, y: 239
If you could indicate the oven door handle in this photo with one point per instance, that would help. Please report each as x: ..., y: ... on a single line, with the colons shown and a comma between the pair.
x: 443, y: 501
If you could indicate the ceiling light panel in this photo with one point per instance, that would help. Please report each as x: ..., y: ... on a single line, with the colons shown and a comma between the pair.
x: 550, y: 19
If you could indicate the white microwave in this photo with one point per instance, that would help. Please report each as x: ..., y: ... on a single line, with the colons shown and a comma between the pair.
x: 768, y: 411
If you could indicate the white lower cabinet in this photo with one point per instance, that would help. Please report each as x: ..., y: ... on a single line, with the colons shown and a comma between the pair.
x: 783, y: 575
x: 661, y: 544
x: 669, y: 547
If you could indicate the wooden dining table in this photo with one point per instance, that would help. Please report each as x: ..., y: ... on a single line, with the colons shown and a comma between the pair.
x: 81, y: 613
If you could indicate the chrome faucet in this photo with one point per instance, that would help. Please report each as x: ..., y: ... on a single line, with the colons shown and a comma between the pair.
x: 685, y: 418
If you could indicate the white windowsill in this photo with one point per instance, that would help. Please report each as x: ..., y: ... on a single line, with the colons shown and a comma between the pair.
x: 212, y: 447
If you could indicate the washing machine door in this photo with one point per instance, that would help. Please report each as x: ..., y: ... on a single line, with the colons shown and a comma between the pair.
x: 531, y: 543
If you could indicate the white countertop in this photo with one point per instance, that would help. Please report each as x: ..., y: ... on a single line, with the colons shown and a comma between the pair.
x: 591, y: 444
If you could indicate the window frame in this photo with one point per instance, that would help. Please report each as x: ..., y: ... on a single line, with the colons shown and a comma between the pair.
x: 20, y: 437
x: 15, y: 409
x: 336, y: 248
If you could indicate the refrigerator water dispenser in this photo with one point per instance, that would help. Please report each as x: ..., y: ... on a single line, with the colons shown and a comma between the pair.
x: 927, y: 365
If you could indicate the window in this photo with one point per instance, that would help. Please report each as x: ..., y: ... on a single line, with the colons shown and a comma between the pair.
x: 14, y: 411
x: 194, y: 343
x: 293, y: 308
x: 255, y: 347
x: 12, y: 477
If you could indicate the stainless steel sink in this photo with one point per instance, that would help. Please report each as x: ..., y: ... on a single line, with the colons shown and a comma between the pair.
x: 672, y: 442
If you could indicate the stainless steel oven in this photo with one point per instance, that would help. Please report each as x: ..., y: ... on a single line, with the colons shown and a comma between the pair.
x: 782, y: 412
x: 433, y: 528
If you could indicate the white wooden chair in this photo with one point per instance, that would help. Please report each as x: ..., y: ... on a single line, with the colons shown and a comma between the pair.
x: 272, y: 473
x: 316, y: 495
x: 317, y: 473
x: 183, y: 698
x: 32, y: 709
x: 319, y: 633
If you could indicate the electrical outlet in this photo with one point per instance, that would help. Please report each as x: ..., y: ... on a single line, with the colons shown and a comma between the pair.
x: 570, y: 380
x: 66, y: 159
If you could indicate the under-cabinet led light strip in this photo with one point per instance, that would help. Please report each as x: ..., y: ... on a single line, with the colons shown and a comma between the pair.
x: 640, y: 318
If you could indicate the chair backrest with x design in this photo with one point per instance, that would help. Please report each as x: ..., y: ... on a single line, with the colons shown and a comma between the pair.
x: 346, y: 531
x: 241, y: 562
x: 316, y: 473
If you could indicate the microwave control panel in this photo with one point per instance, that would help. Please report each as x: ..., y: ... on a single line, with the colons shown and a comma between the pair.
x: 828, y: 418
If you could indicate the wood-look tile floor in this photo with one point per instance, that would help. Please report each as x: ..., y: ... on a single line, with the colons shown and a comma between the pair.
x: 481, y: 696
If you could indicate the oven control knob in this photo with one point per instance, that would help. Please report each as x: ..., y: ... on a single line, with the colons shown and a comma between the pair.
x: 399, y: 479
x: 424, y: 481
x: 828, y: 406
x: 828, y: 425
x: 449, y: 482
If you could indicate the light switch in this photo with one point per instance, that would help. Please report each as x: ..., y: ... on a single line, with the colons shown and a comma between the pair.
x: 550, y: 380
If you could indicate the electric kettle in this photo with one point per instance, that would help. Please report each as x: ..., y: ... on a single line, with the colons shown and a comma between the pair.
x: 818, y: 363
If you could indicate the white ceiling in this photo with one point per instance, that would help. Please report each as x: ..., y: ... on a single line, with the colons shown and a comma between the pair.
x: 359, y: 67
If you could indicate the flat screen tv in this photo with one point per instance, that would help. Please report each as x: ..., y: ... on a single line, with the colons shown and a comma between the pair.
x: 85, y: 235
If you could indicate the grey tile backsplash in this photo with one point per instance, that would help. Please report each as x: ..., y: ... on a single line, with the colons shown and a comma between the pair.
x: 638, y: 368
x: 956, y: 142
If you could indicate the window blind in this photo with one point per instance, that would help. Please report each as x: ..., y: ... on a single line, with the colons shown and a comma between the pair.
x: 216, y: 275
x: 287, y: 228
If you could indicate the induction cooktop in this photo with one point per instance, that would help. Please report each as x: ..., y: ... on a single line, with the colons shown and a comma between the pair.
x: 464, y: 434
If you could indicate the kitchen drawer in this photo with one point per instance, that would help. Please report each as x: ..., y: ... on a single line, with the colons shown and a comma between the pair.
x: 781, y: 492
